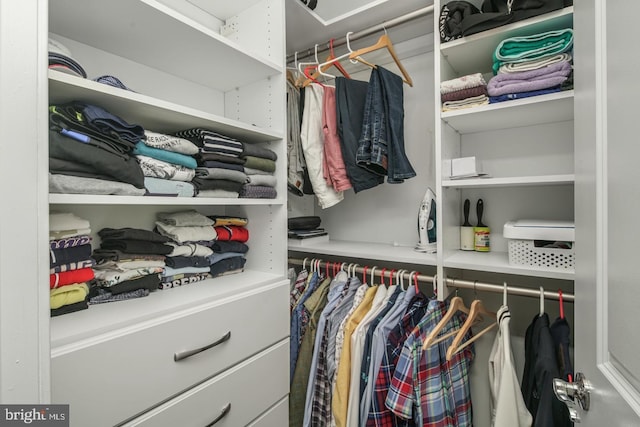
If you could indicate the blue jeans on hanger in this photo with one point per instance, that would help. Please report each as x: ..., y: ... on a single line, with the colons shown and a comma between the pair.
x: 381, y: 144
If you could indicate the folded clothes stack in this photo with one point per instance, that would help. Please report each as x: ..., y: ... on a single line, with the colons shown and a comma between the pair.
x: 201, y: 248
x: 70, y: 263
x: 90, y: 151
x: 532, y: 65
x: 220, y: 171
x: 130, y: 262
x: 305, y: 227
x: 230, y: 248
x: 168, y: 164
x: 260, y: 166
x: 464, y: 92
x: 60, y: 59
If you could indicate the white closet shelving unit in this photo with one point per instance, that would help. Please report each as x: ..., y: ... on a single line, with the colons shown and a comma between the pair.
x: 215, y: 65
x: 526, y: 147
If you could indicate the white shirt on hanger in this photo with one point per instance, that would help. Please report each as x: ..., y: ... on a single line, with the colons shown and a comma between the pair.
x: 507, y: 404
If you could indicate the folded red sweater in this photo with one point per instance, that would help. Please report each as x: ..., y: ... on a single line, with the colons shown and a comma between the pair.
x: 68, y: 277
x: 232, y: 233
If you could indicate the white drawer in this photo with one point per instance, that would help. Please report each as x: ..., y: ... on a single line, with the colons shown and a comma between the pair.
x: 231, y: 399
x: 277, y: 416
x: 114, y: 379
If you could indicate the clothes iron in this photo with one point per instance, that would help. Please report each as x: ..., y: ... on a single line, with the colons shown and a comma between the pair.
x: 427, y: 223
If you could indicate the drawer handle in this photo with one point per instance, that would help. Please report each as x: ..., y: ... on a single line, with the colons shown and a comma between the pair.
x: 224, y: 412
x: 185, y: 354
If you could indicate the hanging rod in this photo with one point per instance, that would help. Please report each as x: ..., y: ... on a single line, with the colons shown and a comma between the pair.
x: 366, y: 32
x: 451, y: 282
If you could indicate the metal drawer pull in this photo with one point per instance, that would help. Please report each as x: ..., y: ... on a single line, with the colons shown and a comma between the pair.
x: 225, y: 411
x: 184, y: 354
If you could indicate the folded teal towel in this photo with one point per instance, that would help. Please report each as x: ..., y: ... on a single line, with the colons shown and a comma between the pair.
x: 164, y: 155
x: 527, y: 48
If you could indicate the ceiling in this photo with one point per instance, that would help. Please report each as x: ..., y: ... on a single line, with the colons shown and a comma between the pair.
x: 331, y: 19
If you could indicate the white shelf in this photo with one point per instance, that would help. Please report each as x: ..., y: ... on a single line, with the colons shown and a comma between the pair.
x: 224, y: 10
x: 164, y: 39
x: 550, y: 108
x: 516, y: 181
x: 106, y: 318
x: 371, y: 251
x: 498, y: 262
x: 89, y: 199
x: 151, y: 113
x: 474, y: 53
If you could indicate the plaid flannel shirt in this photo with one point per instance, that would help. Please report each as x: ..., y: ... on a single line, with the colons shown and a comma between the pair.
x: 298, y: 289
x: 379, y: 415
x: 426, y: 388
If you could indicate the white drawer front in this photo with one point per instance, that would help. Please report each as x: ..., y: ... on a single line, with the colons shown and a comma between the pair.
x: 115, y: 379
x: 231, y: 399
x: 278, y: 416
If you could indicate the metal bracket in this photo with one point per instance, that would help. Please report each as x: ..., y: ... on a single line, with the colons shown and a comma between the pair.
x: 230, y: 26
x: 575, y: 395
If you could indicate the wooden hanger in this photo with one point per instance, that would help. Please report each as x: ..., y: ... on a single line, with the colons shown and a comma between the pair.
x: 384, y: 42
x: 456, y: 305
x: 477, y: 313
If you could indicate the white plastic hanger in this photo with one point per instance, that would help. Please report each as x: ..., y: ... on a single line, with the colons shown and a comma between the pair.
x: 541, y: 301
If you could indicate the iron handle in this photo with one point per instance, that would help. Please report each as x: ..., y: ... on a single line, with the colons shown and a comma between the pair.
x: 224, y: 412
x: 185, y: 354
x: 576, y: 395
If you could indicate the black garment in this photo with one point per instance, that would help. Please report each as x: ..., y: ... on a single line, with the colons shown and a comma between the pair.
x: 222, y: 246
x: 151, y: 282
x: 105, y: 255
x: 69, y: 168
x: 120, y: 168
x: 307, y: 188
x: 132, y: 234
x: 540, y: 368
x: 257, y: 151
x: 451, y: 16
x: 68, y: 255
x: 229, y: 264
x: 137, y: 246
x: 496, y: 13
x: 214, y: 157
x: 303, y: 223
x: 222, y: 165
x: 186, y: 261
x: 561, y: 333
x: 69, y: 117
x: 217, y: 184
x: 70, y: 308
x: 350, y: 100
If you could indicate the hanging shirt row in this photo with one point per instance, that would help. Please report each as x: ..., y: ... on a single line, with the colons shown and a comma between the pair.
x: 365, y: 355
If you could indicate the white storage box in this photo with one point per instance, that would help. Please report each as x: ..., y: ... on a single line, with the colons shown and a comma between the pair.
x: 541, y: 244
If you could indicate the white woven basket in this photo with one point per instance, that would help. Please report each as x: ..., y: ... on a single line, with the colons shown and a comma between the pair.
x: 525, y: 253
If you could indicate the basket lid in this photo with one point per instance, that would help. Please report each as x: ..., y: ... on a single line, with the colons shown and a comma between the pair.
x: 535, y: 229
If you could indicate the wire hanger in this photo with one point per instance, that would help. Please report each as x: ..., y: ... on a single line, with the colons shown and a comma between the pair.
x: 456, y: 305
x: 334, y: 61
x: 384, y: 42
x: 477, y: 313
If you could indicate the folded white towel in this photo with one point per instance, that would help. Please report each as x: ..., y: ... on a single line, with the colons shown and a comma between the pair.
x: 464, y: 82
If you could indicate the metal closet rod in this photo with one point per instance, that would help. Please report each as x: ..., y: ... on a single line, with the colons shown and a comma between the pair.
x: 450, y: 282
x: 366, y: 32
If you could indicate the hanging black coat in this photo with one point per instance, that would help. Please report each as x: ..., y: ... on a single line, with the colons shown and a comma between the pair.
x: 540, y: 368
